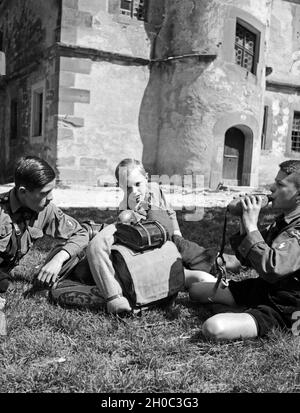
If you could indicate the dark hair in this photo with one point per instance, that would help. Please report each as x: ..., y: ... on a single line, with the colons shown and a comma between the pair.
x: 33, y: 173
x: 292, y: 166
x: 129, y: 164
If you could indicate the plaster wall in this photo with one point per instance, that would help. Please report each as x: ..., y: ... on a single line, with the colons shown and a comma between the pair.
x: 284, y: 42
x: 195, y: 94
x: 98, y: 24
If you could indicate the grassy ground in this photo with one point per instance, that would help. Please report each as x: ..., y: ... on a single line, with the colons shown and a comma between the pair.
x: 52, y: 349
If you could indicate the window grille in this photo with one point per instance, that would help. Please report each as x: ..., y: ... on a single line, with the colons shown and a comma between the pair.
x: 295, y: 141
x: 245, y: 42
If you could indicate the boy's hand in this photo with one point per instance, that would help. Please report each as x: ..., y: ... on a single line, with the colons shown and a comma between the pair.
x: 49, y: 272
x: 251, y: 208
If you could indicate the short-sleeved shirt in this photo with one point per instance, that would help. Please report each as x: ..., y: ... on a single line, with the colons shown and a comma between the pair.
x: 32, y: 225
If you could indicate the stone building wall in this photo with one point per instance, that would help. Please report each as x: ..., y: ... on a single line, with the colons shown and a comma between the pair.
x: 283, y: 86
x: 166, y: 90
x: 200, y: 98
x: 29, y: 30
x: 103, y: 76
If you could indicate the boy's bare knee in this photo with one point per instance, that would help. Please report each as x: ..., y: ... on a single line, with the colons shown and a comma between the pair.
x: 214, y: 328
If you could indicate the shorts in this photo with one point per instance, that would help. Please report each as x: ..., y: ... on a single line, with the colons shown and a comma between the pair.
x: 254, y: 294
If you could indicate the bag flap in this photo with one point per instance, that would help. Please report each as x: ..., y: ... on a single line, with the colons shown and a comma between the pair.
x: 154, y: 274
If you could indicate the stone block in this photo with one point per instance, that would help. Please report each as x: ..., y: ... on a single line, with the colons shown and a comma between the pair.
x: 93, y: 162
x: 66, y: 108
x: 74, y: 95
x: 65, y: 134
x: 75, y: 65
x: 68, y: 35
x: 76, y: 176
x: 66, y: 79
x: 66, y: 161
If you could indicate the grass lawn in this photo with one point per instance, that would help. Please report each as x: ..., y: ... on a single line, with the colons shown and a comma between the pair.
x: 52, y: 349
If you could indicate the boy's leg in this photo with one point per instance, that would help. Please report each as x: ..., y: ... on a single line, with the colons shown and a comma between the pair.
x: 230, y: 326
x: 194, y: 257
x: 99, y: 258
x: 195, y: 276
x: 203, y: 292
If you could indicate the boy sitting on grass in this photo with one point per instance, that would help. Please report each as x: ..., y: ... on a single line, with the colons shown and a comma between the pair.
x: 272, y: 299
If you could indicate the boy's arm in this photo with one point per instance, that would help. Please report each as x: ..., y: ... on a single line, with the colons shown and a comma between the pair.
x: 60, y: 225
x: 274, y: 262
x: 164, y: 204
x: 235, y: 242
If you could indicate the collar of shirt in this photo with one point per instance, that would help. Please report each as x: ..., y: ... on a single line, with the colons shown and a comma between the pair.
x: 14, y: 202
x: 17, y: 207
x: 292, y: 215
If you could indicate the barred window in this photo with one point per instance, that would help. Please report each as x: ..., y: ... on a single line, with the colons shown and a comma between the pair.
x: 133, y: 8
x: 296, y: 133
x: 245, y: 48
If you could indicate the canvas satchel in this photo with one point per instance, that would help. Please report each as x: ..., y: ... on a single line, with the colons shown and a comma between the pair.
x: 151, y: 277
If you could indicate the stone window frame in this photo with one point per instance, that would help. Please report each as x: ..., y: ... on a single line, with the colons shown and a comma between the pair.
x: 250, y: 22
x: 289, y: 153
x: 37, y: 88
x: 269, y: 127
x: 245, y: 27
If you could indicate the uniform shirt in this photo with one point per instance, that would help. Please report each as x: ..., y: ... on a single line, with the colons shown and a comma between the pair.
x: 155, y: 201
x: 275, y: 252
x: 275, y: 255
x: 50, y: 221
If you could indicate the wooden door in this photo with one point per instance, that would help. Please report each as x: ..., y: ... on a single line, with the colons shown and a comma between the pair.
x: 233, y: 156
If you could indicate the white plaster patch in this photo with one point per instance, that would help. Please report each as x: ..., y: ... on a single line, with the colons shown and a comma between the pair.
x: 286, y: 111
x: 291, y: 99
x: 283, y: 129
x: 276, y: 107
